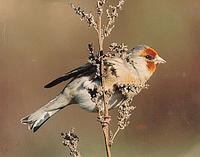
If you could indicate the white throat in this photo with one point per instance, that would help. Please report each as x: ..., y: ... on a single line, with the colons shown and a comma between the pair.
x: 141, y: 70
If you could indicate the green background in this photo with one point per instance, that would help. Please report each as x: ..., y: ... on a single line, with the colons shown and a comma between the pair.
x: 43, y: 39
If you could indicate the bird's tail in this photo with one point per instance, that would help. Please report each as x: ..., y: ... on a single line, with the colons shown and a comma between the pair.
x: 39, y: 117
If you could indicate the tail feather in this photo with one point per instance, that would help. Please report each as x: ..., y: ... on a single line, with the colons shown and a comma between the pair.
x: 39, y: 117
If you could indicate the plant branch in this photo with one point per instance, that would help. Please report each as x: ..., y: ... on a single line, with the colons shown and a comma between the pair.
x: 112, y: 14
x: 70, y: 140
x: 106, y: 117
x: 113, y: 137
x: 97, y: 59
x: 87, y: 17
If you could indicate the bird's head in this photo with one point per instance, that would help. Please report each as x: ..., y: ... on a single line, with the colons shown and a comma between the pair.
x: 145, y: 60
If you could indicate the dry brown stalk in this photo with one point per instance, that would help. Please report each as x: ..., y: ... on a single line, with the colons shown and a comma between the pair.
x: 112, y: 14
x: 97, y: 59
x: 123, y: 118
x: 70, y: 140
x: 106, y: 117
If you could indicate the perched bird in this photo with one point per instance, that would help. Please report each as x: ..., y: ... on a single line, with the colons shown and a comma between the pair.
x: 136, y: 70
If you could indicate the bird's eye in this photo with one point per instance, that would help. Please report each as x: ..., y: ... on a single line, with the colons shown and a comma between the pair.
x: 149, y: 57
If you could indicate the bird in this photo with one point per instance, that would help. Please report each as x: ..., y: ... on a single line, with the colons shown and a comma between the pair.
x: 136, y: 69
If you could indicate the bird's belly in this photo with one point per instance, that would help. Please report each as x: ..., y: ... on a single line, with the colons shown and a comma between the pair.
x: 82, y: 89
x: 84, y: 100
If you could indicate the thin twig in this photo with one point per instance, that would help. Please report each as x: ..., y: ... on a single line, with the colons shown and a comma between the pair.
x: 105, y: 123
x: 112, y: 14
x: 88, y: 17
x: 70, y: 140
x: 113, y: 137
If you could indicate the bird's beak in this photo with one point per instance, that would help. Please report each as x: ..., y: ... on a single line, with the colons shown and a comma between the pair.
x: 159, y: 60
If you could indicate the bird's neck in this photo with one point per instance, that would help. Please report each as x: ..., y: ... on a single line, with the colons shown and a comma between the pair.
x: 141, y: 71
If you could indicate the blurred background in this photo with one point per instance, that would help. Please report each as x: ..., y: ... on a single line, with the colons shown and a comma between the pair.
x: 42, y: 39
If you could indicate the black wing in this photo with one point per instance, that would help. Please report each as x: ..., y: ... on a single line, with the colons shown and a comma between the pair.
x: 81, y: 71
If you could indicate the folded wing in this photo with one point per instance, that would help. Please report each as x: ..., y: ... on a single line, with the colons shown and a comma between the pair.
x: 86, y: 69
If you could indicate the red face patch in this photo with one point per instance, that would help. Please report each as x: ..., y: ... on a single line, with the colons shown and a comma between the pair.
x: 151, y: 52
x: 151, y: 66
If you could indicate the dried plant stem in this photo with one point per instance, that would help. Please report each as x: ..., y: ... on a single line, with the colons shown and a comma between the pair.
x: 113, y: 137
x: 70, y: 140
x: 98, y: 61
x: 105, y: 123
x: 99, y: 31
x: 107, y: 141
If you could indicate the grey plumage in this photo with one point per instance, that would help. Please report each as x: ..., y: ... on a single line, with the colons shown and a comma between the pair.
x: 39, y: 117
x: 81, y: 81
